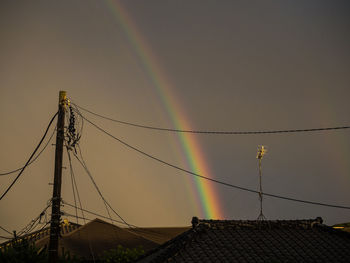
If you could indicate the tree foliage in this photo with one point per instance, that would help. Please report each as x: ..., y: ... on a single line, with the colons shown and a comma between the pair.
x: 24, y: 251
x: 121, y: 255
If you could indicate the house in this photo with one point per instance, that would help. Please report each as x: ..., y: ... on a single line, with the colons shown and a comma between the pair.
x: 344, y: 227
x: 255, y: 241
x: 92, y: 239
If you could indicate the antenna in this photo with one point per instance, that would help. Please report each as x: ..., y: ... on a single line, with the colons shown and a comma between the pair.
x: 261, y: 152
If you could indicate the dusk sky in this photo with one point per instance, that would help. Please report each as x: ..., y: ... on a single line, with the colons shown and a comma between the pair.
x: 202, y: 65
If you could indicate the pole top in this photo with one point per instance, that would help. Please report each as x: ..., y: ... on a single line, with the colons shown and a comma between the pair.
x: 62, y: 98
x: 63, y: 94
x: 261, y: 152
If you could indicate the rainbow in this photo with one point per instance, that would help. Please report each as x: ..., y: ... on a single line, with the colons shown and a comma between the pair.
x: 209, y: 205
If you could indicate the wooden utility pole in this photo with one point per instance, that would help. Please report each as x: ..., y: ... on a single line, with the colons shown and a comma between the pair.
x: 56, y: 195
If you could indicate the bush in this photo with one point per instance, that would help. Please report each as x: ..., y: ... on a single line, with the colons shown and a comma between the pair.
x: 22, y: 251
x: 121, y: 255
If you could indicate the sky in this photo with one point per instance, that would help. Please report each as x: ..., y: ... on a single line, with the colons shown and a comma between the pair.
x: 202, y: 65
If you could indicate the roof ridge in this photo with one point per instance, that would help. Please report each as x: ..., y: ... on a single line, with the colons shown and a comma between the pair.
x: 170, y: 245
x: 294, y: 223
x: 96, y: 220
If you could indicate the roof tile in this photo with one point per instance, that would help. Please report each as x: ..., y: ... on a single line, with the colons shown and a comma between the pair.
x: 255, y: 241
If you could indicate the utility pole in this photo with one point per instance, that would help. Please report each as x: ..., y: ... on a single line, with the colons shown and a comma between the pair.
x: 259, y: 156
x: 56, y: 195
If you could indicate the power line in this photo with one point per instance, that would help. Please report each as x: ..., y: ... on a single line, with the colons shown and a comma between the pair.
x: 35, y: 158
x: 80, y: 217
x: 72, y: 181
x: 134, y: 229
x: 96, y: 214
x: 210, y: 179
x: 86, y: 218
x: 8, y: 232
x: 98, y: 190
x: 214, y: 131
x: 33, y: 223
x: 131, y: 227
x: 82, y: 163
x: 37, y: 147
x: 75, y: 185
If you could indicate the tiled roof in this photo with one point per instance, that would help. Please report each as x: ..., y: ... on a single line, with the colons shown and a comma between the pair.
x: 255, y: 241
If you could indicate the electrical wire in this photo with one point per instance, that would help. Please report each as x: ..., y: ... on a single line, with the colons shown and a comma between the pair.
x: 33, y: 223
x: 70, y: 215
x: 41, y: 229
x: 134, y: 228
x: 10, y: 240
x: 35, y: 158
x: 77, y: 190
x: 74, y: 184
x: 211, y: 179
x: 82, y: 163
x: 8, y: 232
x: 30, y: 228
x: 213, y: 131
x: 72, y: 181
x: 37, y: 147
x: 96, y: 214
x: 93, y: 181
x: 64, y: 213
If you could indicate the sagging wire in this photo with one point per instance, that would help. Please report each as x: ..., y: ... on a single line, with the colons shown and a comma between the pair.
x: 75, y: 189
x: 81, y: 160
x: 214, y: 132
x: 35, y: 158
x: 8, y: 238
x: 35, y: 222
x: 72, y: 144
x: 94, y: 213
x: 83, y: 164
x: 73, y: 185
x: 71, y: 141
x: 8, y: 232
x: 30, y: 158
x: 208, y: 178
x: 27, y: 231
x: 132, y: 230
